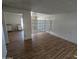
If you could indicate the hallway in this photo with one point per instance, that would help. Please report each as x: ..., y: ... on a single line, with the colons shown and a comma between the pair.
x: 42, y: 46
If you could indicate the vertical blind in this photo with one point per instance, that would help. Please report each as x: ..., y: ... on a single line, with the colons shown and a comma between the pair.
x: 41, y: 22
x: 40, y: 25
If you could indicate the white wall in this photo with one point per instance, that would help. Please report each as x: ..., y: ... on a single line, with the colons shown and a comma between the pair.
x: 65, y: 26
x: 12, y: 18
x: 27, y: 25
x: 4, y: 28
x: 4, y: 51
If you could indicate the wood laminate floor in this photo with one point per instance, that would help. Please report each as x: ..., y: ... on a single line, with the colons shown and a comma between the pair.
x: 42, y: 46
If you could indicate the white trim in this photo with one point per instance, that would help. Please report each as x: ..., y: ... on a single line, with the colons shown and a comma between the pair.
x: 52, y: 33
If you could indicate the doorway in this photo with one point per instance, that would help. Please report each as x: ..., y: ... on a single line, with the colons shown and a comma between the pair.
x: 15, y: 30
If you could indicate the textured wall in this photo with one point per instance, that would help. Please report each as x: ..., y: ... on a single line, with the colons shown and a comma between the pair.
x: 64, y: 25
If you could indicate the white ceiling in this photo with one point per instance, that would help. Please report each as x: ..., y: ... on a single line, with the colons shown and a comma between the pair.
x: 43, y: 6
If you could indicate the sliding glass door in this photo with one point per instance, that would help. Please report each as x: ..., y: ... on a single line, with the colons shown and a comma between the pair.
x: 40, y: 26
x: 41, y: 22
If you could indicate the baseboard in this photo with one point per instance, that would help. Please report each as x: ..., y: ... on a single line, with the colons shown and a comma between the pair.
x: 27, y: 39
x: 57, y: 35
x: 28, y: 44
x: 61, y: 37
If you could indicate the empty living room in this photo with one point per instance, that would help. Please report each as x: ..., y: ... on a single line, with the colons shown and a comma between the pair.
x: 39, y: 29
